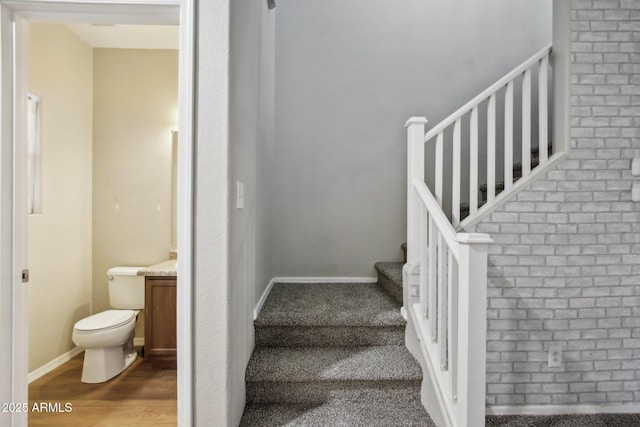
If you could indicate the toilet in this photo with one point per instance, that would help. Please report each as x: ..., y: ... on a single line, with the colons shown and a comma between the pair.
x: 107, y: 337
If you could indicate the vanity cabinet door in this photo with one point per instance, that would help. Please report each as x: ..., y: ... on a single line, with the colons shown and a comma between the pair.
x: 160, y: 321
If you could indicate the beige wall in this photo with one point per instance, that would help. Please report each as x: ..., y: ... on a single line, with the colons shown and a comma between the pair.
x: 135, y: 108
x: 106, y: 173
x: 60, y: 71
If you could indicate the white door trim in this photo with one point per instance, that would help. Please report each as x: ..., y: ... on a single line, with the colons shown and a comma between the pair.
x: 13, y: 294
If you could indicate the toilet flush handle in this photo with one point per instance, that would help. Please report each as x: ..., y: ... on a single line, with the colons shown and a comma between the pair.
x: 109, y: 277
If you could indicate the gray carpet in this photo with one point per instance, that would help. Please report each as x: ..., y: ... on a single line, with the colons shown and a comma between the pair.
x: 332, y: 355
x: 351, y: 414
x: 600, y: 420
x: 329, y: 314
x: 329, y: 304
x: 390, y: 278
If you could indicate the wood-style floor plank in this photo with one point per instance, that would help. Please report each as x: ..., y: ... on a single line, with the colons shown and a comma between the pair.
x: 140, y: 396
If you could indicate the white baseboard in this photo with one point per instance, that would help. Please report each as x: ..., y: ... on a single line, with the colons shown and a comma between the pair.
x: 564, y: 409
x: 325, y: 279
x: 138, y: 342
x: 275, y: 280
x: 262, y: 299
x: 55, y: 363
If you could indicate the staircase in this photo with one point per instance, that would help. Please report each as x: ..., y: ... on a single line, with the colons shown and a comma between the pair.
x: 332, y: 354
x: 499, y: 186
x: 497, y: 144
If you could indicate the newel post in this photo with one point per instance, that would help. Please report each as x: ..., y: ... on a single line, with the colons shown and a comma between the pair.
x: 472, y: 332
x: 415, y: 170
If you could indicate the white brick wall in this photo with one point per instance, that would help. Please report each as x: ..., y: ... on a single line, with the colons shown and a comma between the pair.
x: 565, y: 266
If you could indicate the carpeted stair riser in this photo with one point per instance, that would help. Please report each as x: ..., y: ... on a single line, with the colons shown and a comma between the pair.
x: 336, y: 414
x: 390, y: 278
x: 390, y: 286
x: 327, y: 391
x: 328, y: 336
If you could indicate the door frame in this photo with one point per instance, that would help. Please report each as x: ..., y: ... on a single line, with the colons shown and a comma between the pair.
x: 14, y: 15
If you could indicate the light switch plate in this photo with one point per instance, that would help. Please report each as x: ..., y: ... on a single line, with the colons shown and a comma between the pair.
x: 239, y: 195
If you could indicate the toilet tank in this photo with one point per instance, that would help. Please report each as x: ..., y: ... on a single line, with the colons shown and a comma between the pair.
x: 126, y: 288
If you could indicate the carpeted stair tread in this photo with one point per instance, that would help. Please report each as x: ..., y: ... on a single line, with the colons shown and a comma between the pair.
x: 393, y: 270
x: 329, y: 304
x: 337, y: 414
x: 306, y: 364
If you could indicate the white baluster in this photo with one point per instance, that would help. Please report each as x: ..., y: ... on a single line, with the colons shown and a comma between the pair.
x: 424, y: 261
x: 543, y: 130
x: 491, y: 148
x: 439, y: 167
x: 433, y: 276
x: 455, y: 178
x: 526, y: 123
x: 452, y: 338
x: 442, y: 301
x: 508, y: 136
x: 473, y: 162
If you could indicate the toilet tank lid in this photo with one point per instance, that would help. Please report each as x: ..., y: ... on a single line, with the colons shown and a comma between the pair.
x: 124, y: 271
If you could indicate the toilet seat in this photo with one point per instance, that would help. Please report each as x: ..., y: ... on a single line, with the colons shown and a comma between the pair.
x: 109, y: 319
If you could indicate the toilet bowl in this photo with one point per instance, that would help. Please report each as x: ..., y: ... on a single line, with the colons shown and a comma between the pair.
x: 107, y: 337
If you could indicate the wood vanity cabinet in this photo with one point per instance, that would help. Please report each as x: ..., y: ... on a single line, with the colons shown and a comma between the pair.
x: 160, y: 321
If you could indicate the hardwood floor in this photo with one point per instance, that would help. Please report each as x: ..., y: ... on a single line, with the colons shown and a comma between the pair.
x: 140, y: 396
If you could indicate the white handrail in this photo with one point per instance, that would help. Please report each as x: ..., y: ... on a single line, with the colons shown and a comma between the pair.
x: 434, y: 209
x: 486, y: 93
x: 446, y: 271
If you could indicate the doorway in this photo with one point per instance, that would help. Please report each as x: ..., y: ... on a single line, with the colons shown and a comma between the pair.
x: 15, y: 16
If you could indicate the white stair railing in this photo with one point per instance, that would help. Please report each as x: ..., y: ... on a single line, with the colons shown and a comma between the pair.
x: 445, y: 278
x: 449, y: 314
x: 518, y: 82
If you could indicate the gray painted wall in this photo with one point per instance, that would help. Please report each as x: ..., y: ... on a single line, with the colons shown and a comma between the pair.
x: 348, y: 76
x: 235, y: 141
x: 565, y: 265
x: 251, y: 143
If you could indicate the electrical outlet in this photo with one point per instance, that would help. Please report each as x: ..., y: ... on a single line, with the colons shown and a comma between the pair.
x: 555, y: 356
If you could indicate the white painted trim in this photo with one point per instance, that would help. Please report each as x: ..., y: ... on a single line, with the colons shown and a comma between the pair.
x: 325, y: 279
x: 487, y: 92
x: 138, y: 342
x: 262, y: 299
x: 561, y: 72
x: 55, y: 363
x: 186, y: 212
x: 507, y: 195
x: 13, y: 327
x: 564, y: 409
x: 430, y: 395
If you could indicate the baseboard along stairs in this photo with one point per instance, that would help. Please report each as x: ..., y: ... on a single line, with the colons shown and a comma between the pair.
x: 333, y: 354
